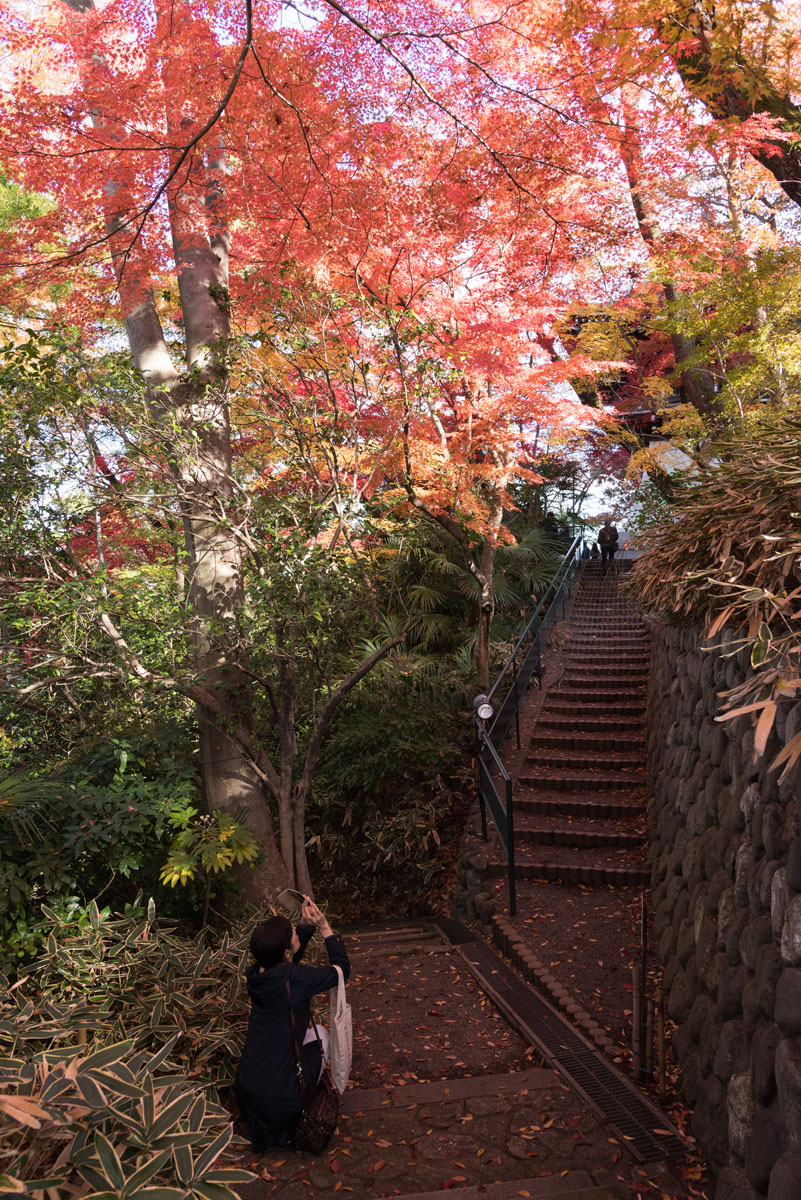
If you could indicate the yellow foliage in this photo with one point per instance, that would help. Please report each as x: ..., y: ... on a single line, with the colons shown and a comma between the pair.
x: 603, y: 340
x: 657, y: 388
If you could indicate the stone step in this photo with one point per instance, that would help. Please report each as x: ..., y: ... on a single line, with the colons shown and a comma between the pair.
x: 632, y: 825
x: 597, y: 867
x: 567, y: 709
x: 605, y: 598
x: 617, y: 685
x: 597, y: 613
x: 378, y: 933
x: 607, y: 678
x: 601, y: 683
x: 614, y: 659
x: 614, y: 664
x: 591, y: 759
x: 584, y: 606
x: 605, y: 626
x: 636, y: 637
x: 590, y: 806
x: 581, y: 839
x: 622, y: 698
x: 582, y: 739
x: 561, y: 724
x: 597, y: 626
x: 562, y: 779
x: 603, y: 644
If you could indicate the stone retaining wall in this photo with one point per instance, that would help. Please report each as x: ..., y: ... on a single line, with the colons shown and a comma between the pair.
x: 725, y: 840
x: 471, y: 901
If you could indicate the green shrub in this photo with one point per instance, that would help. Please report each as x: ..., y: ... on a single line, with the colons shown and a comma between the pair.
x: 114, y: 1045
x: 389, y: 794
x: 98, y: 825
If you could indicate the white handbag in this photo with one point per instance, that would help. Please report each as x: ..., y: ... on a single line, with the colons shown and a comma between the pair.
x: 340, y: 1033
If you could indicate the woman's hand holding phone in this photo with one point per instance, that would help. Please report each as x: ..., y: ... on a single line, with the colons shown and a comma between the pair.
x: 311, y: 913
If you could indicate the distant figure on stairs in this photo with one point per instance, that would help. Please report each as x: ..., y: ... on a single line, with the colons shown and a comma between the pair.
x: 607, y: 539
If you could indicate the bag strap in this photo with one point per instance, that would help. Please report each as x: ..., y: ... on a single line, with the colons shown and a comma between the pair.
x: 340, y: 998
x: 301, y: 1080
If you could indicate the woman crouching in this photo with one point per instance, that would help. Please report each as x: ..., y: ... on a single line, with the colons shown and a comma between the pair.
x: 267, y: 1076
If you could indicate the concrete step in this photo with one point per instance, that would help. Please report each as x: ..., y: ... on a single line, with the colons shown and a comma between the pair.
x: 612, y: 630
x: 607, y: 642
x: 552, y: 779
x: 611, y: 698
x: 554, y: 723
x: 589, y: 806
x: 585, y: 607
x: 581, y: 839
x: 583, y: 739
x: 619, y: 663
x: 586, y: 758
x: 563, y: 704
x: 594, y: 867
x: 601, y: 683
x: 613, y: 659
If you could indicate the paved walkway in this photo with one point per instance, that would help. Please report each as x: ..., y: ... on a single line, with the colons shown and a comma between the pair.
x: 445, y: 1095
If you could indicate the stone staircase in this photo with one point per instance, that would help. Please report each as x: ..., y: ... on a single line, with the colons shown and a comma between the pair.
x: 579, y: 803
x: 579, y: 797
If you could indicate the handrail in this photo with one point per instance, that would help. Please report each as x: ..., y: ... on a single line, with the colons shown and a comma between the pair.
x: 502, y: 811
x: 522, y: 671
x: 567, y: 560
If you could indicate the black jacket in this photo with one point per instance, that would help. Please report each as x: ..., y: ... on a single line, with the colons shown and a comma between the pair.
x: 267, y: 1078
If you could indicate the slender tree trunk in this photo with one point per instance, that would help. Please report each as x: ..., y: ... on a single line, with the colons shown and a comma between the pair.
x: 718, y: 71
x: 484, y: 573
x: 191, y: 408
x: 484, y: 633
x: 303, y: 880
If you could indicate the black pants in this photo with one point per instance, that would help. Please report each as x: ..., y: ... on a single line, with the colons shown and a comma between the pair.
x: 607, y: 557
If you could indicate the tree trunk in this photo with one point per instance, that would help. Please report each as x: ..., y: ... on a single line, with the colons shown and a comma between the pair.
x: 484, y: 634
x: 715, y: 71
x: 191, y: 408
x: 485, y: 571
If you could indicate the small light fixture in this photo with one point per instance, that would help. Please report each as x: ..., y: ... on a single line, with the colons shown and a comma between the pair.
x: 484, y: 709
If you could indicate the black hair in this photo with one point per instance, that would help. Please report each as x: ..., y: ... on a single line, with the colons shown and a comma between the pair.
x: 270, y: 940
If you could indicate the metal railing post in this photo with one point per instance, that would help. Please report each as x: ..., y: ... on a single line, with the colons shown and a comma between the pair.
x: 480, y: 789
x: 542, y: 618
x: 510, y: 841
x: 517, y: 701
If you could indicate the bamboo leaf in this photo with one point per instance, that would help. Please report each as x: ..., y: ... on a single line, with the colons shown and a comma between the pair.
x: 764, y: 726
x: 107, y: 1056
x: 212, y: 1152
x: 110, y: 1160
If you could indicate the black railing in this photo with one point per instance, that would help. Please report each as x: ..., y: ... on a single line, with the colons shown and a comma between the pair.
x: 525, y: 661
x: 505, y: 698
x: 501, y: 809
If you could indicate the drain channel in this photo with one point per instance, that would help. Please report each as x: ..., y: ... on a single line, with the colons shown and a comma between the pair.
x: 645, y: 1132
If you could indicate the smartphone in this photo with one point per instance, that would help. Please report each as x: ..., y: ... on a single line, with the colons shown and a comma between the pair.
x: 292, y: 900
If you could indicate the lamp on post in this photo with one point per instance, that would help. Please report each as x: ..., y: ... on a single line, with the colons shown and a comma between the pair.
x: 483, y: 713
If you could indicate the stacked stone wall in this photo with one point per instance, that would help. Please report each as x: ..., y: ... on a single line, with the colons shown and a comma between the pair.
x: 725, y: 844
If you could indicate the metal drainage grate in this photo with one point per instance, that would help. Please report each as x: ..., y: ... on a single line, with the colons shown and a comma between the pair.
x: 644, y: 1131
